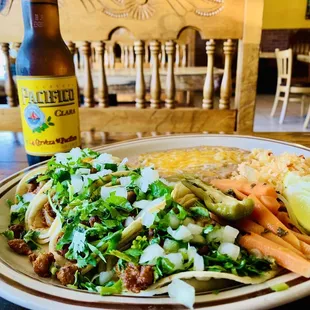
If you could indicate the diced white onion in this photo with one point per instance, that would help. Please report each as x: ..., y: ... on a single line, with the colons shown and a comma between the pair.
x: 148, y: 176
x: 229, y: 234
x: 191, y: 251
x: 77, y: 183
x: 119, y: 191
x: 198, y: 263
x: 125, y: 181
x: 194, y: 229
x: 128, y: 221
x: 176, y: 259
x: 28, y: 197
x: 122, y: 164
x: 229, y: 249
x: 182, y: 233
x: 105, y: 276
x: 61, y: 158
x: 174, y: 221
x: 188, y: 220
x: 148, y: 219
x: 182, y: 293
x: 15, y: 208
x: 103, y: 159
x: 82, y: 171
x: 151, y: 253
x: 198, y: 259
x: 149, y: 204
x: 142, y: 204
x: 76, y: 153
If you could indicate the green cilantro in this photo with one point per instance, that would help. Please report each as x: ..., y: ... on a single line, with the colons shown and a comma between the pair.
x: 9, y: 234
x: 113, y: 288
x: 30, y: 238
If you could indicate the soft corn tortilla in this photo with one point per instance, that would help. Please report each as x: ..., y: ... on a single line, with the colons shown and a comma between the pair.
x: 204, y: 162
x: 204, y: 281
x: 34, y: 218
x: 22, y: 187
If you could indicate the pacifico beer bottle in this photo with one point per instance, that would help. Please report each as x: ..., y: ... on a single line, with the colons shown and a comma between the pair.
x: 46, y: 82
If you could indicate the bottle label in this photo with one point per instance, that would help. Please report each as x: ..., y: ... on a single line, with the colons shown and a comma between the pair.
x: 50, y: 114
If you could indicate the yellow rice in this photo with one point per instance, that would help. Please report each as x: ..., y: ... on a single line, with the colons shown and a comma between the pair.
x: 263, y: 166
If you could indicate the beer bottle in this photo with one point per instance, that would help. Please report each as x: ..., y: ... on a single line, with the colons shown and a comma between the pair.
x: 46, y: 82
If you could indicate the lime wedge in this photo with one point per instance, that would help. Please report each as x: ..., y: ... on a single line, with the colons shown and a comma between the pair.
x: 297, y: 193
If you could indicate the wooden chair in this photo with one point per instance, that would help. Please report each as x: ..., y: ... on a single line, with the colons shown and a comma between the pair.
x: 155, y: 21
x: 285, y: 85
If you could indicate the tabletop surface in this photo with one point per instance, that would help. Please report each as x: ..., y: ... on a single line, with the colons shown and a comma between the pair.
x: 303, y: 58
x: 13, y: 159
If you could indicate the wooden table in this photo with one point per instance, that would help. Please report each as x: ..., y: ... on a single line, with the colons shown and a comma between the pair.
x: 124, y: 79
x: 303, y: 58
x: 269, y: 55
x: 13, y: 158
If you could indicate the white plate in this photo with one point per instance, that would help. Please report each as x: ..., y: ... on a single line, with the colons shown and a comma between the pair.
x: 20, y: 285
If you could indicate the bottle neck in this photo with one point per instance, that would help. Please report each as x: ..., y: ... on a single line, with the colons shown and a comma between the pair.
x: 41, y: 18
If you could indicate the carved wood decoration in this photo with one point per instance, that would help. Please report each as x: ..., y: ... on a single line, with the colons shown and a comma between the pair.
x: 112, y: 57
x: 126, y: 56
x: 184, y: 55
x: 163, y: 56
x: 170, y: 83
x: 177, y: 55
x: 89, y: 100
x: 93, y: 20
x: 131, y: 57
x: 208, y: 89
x: 140, y: 83
x: 9, y: 85
x: 155, y: 81
x: 226, y: 87
x: 102, y: 86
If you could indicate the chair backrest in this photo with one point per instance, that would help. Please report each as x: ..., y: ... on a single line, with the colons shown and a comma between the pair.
x: 284, y: 64
x: 93, y: 22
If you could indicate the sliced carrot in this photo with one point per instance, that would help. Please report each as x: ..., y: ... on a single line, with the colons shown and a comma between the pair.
x: 284, y: 218
x: 239, y: 195
x: 264, y: 217
x: 305, y: 248
x: 283, y: 256
x: 249, y: 226
x: 304, y: 238
x: 271, y: 203
x: 258, y: 189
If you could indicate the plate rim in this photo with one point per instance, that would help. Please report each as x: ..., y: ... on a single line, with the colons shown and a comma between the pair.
x: 145, y: 139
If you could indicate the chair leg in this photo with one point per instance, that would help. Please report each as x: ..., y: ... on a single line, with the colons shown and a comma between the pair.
x: 275, y: 103
x: 307, y: 118
x: 302, y: 106
x: 284, y: 107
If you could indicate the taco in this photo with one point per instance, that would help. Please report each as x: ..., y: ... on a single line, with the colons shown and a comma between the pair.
x: 40, y: 216
x: 29, y: 182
